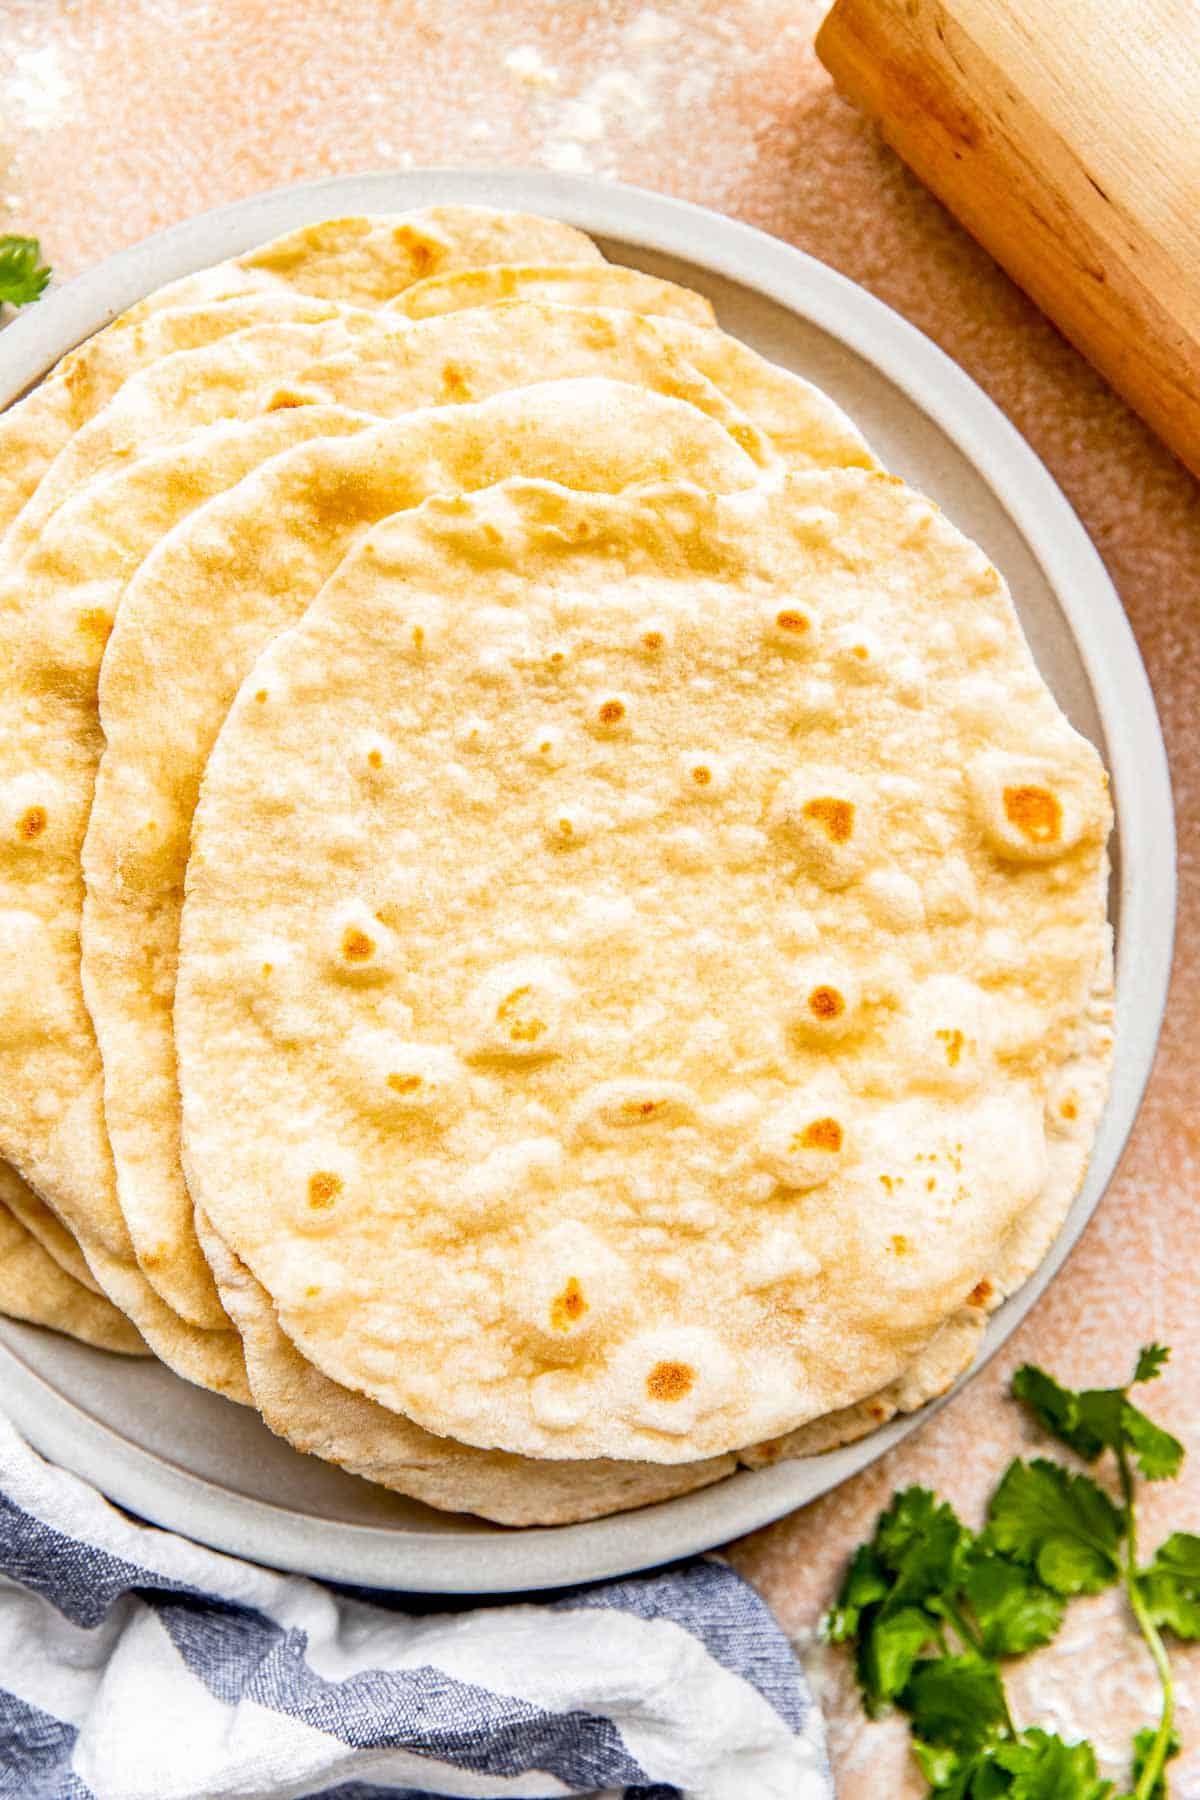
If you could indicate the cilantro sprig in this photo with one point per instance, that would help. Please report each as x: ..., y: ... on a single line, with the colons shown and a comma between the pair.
x: 932, y: 1609
x: 23, y: 275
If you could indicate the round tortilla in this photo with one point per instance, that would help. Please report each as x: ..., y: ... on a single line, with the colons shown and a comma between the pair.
x: 188, y: 629
x: 302, y: 276
x: 52, y: 631
x: 348, y: 359
x: 630, y: 948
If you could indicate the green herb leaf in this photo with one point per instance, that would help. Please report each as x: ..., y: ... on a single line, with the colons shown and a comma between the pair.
x: 1013, y: 1610
x: 1097, y: 1419
x: 890, y: 1651
x: 956, y: 1701
x: 923, y: 1542
x: 1159, y: 1455
x: 22, y: 276
x: 1056, y: 1410
x: 865, y: 1584
x: 1150, y: 1362
x: 1040, y: 1766
x: 1061, y: 1525
x: 1170, y: 1584
x: 1143, y: 1744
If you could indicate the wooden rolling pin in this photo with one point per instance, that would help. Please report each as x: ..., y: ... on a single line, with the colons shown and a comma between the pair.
x: 1065, y: 135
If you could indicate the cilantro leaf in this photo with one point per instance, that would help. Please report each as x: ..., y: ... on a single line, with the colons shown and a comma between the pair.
x: 1158, y: 1454
x: 1013, y: 1610
x: 1097, y: 1419
x: 1043, y: 1767
x: 1062, y: 1525
x: 1056, y: 1410
x: 1170, y: 1584
x: 865, y: 1583
x: 1143, y: 1744
x: 22, y: 275
x: 1151, y: 1358
x: 923, y: 1542
x: 888, y: 1654
x: 956, y: 1701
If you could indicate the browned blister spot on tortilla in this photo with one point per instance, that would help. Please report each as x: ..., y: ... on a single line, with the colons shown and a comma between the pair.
x: 835, y: 817
x: 404, y: 1084
x: 375, y: 758
x: 357, y: 947
x: 520, y: 1031
x: 981, y: 1293
x: 1068, y: 1109
x: 790, y: 620
x: 32, y: 823
x: 423, y: 253
x: 826, y: 1002
x: 1035, y: 811
x: 701, y: 774
x: 611, y: 712
x: 652, y: 640
x: 821, y: 1134
x: 455, y: 382
x: 95, y: 622
x: 568, y: 1307
x: 900, y: 1244
x: 323, y: 1189
x: 670, y: 1381
x: 953, y: 1040
x: 261, y: 695
x: 877, y: 1412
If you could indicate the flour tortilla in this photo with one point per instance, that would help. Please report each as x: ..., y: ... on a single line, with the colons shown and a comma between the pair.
x: 566, y: 284
x: 350, y: 360
x: 322, y: 1419
x: 368, y: 258
x: 51, y: 1112
x: 301, y: 276
x: 522, y: 1139
x: 46, y: 1228
x: 35, y: 1288
x: 163, y: 695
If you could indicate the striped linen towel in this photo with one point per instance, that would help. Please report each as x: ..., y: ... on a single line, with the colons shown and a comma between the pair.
x: 135, y: 1665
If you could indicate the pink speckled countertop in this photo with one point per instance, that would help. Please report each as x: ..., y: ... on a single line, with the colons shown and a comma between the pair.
x: 118, y: 120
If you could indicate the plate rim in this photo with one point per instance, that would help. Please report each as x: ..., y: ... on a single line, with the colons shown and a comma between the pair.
x: 495, y: 1559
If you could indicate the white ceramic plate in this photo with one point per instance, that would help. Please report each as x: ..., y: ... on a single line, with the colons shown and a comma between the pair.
x: 200, y: 1465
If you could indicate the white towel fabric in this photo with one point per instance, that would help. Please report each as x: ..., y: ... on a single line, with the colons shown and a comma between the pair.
x: 135, y: 1665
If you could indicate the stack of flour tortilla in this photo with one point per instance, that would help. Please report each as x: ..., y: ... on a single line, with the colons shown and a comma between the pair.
x: 552, y: 936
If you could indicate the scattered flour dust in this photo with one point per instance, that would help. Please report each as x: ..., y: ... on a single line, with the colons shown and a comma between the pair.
x: 646, y: 71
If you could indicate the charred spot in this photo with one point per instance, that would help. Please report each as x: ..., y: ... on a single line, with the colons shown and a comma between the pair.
x: 568, y: 1307
x: 32, y: 823
x: 701, y: 775
x: 1035, y: 811
x: 822, y: 1134
x: 404, y: 1084
x: 357, y: 946
x: 323, y: 1189
x: 826, y: 1003
x: 794, y: 623
x: 835, y: 817
x: 652, y: 640
x: 670, y: 1381
x: 611, y: 712
x: 981, y: 1293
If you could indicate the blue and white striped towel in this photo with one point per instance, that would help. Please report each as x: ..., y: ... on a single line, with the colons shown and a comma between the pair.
x: 135, y: 1665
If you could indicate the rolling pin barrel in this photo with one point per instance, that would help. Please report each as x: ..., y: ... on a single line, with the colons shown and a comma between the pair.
x: 1065, y: 136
